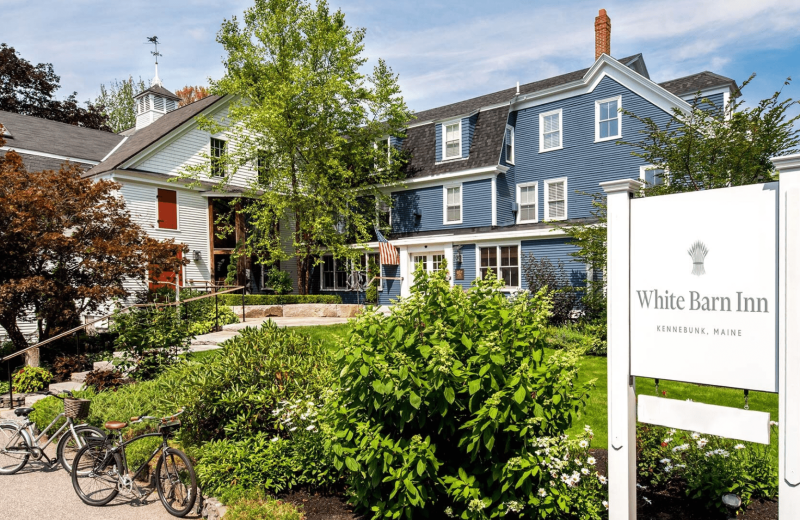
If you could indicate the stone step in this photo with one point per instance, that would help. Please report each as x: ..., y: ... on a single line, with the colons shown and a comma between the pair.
x: 78, y: 377
x: 66, y: 385
x: 104, y: 365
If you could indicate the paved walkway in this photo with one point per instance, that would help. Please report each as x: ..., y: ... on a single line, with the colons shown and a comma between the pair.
x: 212, y: 340
x: 38, y: 492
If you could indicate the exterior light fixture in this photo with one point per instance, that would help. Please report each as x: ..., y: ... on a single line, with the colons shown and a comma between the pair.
x: 196, y: 255
x: 732, y: 502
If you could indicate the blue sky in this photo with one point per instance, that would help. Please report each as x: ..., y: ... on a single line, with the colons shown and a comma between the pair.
x: 444, y: 51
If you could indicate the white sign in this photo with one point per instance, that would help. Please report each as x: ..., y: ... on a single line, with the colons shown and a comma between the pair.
x: 703, y: 287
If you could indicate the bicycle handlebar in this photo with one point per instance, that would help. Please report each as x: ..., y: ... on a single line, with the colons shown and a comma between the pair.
x: 141, y: 418
x: 68, y: 392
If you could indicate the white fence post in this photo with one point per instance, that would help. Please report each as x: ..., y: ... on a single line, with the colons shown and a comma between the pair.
x: 789, y: 336
x: 621, y: 395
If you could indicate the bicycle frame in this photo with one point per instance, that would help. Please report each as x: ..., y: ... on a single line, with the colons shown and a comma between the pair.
x: 34, y: 439
x: 120, y: 448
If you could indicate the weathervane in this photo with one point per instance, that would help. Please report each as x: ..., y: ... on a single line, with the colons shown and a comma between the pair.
x: 154, y: 41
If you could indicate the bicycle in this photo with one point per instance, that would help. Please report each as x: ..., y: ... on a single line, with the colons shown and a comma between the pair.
x: 19, y: 442
x: 101, y: 469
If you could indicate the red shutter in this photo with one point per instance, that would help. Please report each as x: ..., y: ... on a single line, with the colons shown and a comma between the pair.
x: 168, y: 276
x: 167, y: 209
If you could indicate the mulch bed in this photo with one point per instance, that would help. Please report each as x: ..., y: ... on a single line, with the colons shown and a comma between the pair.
x: 667, y: 504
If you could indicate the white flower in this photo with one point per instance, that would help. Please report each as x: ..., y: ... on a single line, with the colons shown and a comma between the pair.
x: 647, y: 500
x: 587, y: 428
x: 578, y: 462
x: 584, y: 444
x: 449, y: 512
x: 603, y: 480
x: 542, y: 492
x: 591, y: 461
x: 665, y: 461
x: 293, y: 428
x: 695, y: 436
x: 476, y: 504
x: 310, y: 428
x: 702, y: 443
x: 667, y: 440
x: 585, y: 471
x: 275, y: 439
x: 739, y: 447
x: 668, y: 468
x: 554, y: 474
x: 682, y: 447
x: 672, y: 431
x: 773, y: 423
x: 605, y: 504
x: 641, y: 486
x: 516, y: 507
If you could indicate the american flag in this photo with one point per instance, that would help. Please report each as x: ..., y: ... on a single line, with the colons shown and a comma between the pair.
x: 389, y: 255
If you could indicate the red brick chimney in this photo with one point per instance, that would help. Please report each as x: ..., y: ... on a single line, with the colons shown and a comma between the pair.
x: 602, y: 34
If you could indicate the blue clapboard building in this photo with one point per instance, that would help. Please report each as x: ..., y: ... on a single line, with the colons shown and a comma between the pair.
x: 488, y: 177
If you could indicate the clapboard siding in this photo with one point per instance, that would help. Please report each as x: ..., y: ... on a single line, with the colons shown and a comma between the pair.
x: 192, y: 226
x: 467, y: 264
x: 476, y: 207
x: 584, y: 162
x: 554, y: 249
x: 717, y: 99
x: 188, y: 149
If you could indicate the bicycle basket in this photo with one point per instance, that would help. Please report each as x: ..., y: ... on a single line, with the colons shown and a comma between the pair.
x: 76, y: 408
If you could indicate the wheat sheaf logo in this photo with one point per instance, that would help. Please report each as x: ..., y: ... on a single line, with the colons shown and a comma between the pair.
x: 698, y: 252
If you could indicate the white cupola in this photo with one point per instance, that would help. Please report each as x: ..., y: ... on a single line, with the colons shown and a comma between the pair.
x: 154, y: 102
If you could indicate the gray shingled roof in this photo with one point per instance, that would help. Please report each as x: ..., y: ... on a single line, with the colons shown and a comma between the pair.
x: 54, y: 137
x: 159, y: 91
x: 503, y: 96
x: 696, y: 82
x: 148, y: 135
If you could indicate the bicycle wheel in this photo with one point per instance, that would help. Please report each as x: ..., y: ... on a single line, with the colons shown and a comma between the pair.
x: 14, y: 449
x: 176, y: 482
x: 95, y: 474
x: 68, y: 445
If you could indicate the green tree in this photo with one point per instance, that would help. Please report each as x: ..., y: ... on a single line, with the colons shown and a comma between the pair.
x: 706, y: 147
x: 117, y: 102
x: 305, y: 116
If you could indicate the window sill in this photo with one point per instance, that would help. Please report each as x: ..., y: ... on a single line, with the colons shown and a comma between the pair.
x: 445, y: 223
x: 451, y: 159
x: 556, y: 219
x: 604, y: 139
x: 551, y: 149
x: 176, y: 230
x: 528, y: 221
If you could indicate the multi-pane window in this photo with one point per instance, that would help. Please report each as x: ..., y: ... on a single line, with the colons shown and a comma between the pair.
x: 218, y: 149
x: 608, y: 119
x: 328, y: 273
x: 420, y: 262
x: 654, y: 177
x: 436, y: 262
x: 550, y: 130
x: 336, y: 272
x: 452, y: 204
x: 341, y: 273
x: 452, y: 140
x: 510, y: 144
x: 507, y: 269
x: 527, y: 203
x: 509, y: 265
x: 556, y: 207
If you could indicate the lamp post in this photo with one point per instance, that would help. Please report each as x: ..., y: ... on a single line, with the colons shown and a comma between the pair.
x: 732, y: 502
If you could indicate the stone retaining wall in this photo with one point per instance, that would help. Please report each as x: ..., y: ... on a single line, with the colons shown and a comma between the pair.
x: 299, y: 310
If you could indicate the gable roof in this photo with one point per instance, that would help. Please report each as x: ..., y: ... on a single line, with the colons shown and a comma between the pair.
x: 159, y: 91
x: 150, y: 134
x: 503, y: 96
x: 701, y: 81
x: 56, y: 138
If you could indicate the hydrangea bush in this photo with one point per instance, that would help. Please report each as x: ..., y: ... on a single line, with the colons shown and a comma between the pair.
x: 710, y: 466
x: 449, y: 407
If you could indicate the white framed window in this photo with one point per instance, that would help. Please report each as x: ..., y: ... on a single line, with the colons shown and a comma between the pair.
x: 509, y: 143
x: 527, y: 202
x: 653, y: 176
x: 550, y: 134
x: 452, y: 204
x: 383, y: 211
x: 335, y: 272
x: 436, y: 263
x: 608, y: 119
x: 383, y: 148
x: 451, y: 140
x: 555, y: 199
x: 503, y: 261
x: 219, y: 148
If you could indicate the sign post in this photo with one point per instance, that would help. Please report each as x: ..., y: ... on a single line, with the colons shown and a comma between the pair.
x: 789, y: 337
x: 621, y: 392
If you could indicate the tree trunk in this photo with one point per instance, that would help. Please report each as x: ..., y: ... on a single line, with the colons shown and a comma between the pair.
x: 240, y: 229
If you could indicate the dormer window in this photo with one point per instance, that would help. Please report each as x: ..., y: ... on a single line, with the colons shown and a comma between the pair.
x: 550, y: 131
x: 509, y: 144
x: 451, y: 142
x: 608, y: 119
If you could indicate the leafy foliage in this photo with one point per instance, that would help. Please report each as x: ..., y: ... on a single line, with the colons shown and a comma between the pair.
x: 373, y: 270
x: 279, y: 281
x: 64, y: 366
x: 309, y: 124
x: 255, y: 505
x: 102, y: 380
x: 150, y: 340
x: 440, y: 407
x: 190, y: 94
x: 542, y: 274
x: 29, y: 90
x: 68, y: 244
x: 118, y: 104
x: 710, y: 466
x: 31, y: 379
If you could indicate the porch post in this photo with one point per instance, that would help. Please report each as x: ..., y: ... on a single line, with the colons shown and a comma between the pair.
x: 405, y: 285
x: 621, y: 392
x: 241, y: 236
x: 789, y: 336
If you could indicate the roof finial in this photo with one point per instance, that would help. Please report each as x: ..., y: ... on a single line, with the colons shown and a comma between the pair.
x: 518, y: 88
x: 156, y: 80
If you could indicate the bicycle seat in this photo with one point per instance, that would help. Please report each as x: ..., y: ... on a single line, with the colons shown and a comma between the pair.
x: 23, y: 412
x: 115, y: 425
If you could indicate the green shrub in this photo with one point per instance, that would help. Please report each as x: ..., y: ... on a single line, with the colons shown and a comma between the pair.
x: 235, y: 393
x: 254, y: 505
x: 279, y: 281
x: 588, y: 337
x: 204, y: 314
x: 449, y: 407
x: 31, y: 379
x: 235, y: 300
x: 709, y: 466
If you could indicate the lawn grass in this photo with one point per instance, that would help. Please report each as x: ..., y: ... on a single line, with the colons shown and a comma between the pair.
x: 596, y: 412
